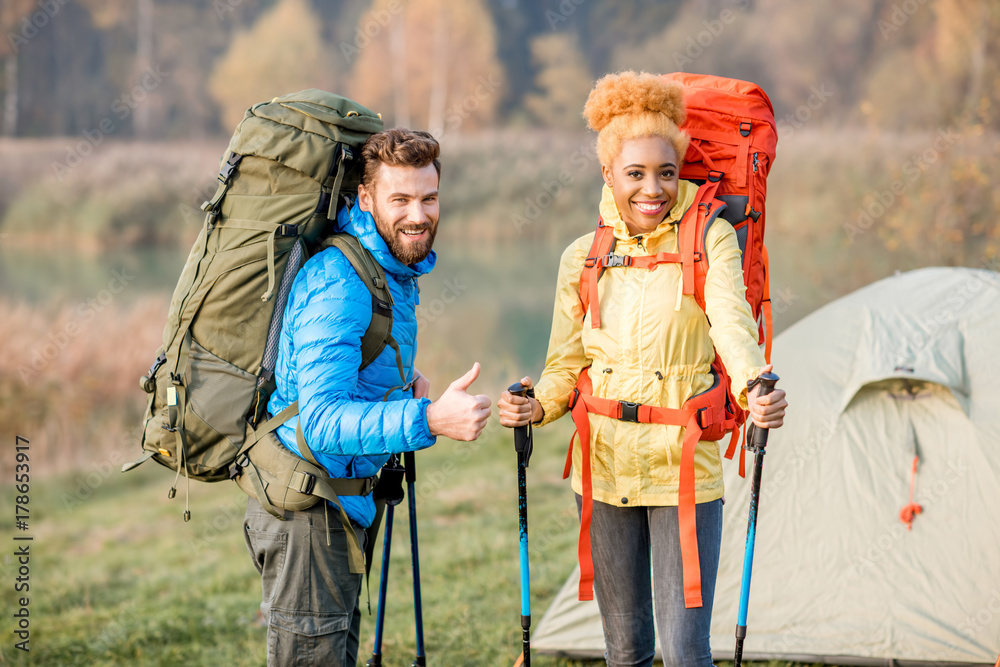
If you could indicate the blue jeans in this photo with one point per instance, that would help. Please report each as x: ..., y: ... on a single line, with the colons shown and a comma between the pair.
x: 628, y: 542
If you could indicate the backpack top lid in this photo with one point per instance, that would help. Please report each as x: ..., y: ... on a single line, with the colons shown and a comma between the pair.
x: 298, y: 130
x: 747, y: 97
x: 716, y: 108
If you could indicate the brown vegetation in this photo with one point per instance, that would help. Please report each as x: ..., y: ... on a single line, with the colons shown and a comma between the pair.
x: 69, y: 376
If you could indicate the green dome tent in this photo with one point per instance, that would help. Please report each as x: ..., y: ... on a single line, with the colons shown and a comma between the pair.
x: 905, y: 369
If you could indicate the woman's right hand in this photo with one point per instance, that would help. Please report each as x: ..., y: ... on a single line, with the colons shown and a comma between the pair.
x: 519, y: 410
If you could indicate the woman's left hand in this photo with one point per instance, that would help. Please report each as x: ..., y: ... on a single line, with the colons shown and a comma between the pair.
x: 767, y: 411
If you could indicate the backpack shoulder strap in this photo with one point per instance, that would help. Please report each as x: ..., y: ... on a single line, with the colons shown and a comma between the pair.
x: 692, y: 234
x: 379, y: 332
x: 604, y: 243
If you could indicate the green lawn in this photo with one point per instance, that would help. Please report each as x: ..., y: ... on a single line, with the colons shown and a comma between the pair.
x: 118, y: 578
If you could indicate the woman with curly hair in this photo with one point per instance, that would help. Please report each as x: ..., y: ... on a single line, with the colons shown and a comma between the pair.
x: 651, y: 345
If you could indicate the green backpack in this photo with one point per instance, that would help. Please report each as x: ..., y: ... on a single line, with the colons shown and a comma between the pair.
x: 281, y: 182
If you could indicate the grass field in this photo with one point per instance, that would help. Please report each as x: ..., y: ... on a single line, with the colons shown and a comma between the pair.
x: 117, y: 577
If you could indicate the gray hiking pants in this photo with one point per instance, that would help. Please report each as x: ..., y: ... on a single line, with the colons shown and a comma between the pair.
x: 309, y: 596
x: 626, y: 542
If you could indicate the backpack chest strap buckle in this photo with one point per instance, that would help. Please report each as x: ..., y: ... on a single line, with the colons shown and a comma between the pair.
x: 609, y: 261
x: 629, y: 411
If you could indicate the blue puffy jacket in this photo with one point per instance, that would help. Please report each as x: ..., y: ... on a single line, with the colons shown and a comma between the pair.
x: 344, y: 419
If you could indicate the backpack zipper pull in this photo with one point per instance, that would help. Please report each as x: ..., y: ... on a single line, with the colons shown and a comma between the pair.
x: 755, y: 161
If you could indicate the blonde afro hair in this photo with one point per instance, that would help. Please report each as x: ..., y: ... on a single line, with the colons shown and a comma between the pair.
x: 632, y: 105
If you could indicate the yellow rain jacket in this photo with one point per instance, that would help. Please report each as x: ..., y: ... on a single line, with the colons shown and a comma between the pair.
x: 654, y: 347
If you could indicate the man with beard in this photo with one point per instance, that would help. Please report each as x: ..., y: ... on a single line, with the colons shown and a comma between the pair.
x: 352, y: 419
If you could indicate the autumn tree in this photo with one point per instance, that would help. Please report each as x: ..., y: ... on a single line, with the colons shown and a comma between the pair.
x: 281, y: 53
x: 938, y: 66
x: 563, y: 81
x: 14, y: 16
x: 426, y: 63
x: 54, y: 79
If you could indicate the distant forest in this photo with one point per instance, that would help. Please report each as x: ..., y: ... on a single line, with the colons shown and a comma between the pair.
x: 174, y: 69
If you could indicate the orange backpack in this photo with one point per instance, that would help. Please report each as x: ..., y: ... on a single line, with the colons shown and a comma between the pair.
x: 733, y: 140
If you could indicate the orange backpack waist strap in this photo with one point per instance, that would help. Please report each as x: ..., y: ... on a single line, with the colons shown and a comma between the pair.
x: 703, y: 416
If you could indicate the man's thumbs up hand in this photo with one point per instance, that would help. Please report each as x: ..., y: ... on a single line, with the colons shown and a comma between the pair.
x: 464, y: 382
x: 457, y: 414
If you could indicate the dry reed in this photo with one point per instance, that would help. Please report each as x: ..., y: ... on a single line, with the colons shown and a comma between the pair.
x: 69, y: 377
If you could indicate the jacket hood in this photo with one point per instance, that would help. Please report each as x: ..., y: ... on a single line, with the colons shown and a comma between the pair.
x: 361, y: 225
x: 687, y: 192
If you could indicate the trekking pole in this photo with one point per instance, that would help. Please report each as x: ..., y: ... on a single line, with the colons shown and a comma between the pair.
x: 411, y: 495
x: 389, y: 488
x: 523, y: 446
x: 756, y: 442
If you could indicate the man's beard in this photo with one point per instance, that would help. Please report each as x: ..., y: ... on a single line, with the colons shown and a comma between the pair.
x: 405, y: 252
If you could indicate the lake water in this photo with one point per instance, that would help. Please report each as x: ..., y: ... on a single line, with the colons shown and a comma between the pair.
x: 483, y: 302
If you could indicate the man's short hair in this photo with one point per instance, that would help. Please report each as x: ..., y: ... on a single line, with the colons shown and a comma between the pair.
x: 398, y: 147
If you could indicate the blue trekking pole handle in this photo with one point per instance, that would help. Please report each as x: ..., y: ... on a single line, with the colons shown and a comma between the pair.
x: 756, y: 442
x: 523, y: 447
x: 418, y: 614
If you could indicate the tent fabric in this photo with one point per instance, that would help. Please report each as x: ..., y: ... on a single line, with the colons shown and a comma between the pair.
x: 908, y: 366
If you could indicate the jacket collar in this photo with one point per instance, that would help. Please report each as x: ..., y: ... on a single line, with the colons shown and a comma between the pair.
x: 361, y: 225
x: 687, y: 192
